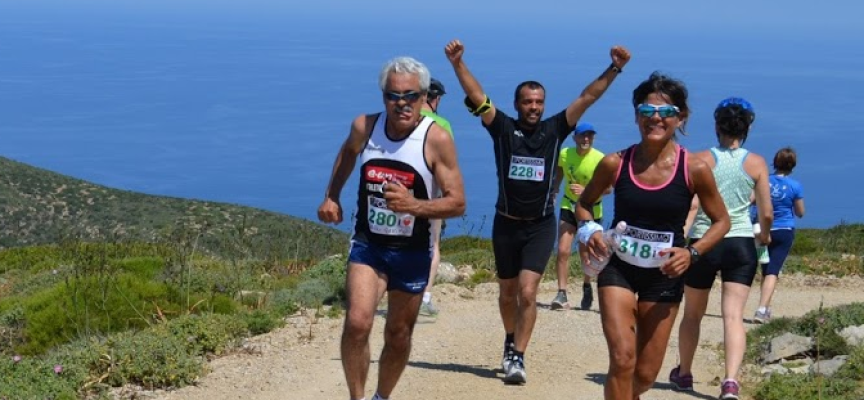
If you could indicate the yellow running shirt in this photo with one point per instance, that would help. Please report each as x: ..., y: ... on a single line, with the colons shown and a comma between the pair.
x: 579, y: 170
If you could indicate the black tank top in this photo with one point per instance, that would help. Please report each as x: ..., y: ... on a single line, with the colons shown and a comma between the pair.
x: 662, y: 208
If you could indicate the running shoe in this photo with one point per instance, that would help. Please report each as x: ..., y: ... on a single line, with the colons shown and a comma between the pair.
x: 762, y: 317
x: 516, y: 373
x: 729, y: 390
x: 560, y: 302
x: 680, y: 382
x: 587, y: 297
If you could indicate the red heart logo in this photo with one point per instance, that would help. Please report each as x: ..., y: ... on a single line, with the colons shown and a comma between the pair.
x: 406, y: 221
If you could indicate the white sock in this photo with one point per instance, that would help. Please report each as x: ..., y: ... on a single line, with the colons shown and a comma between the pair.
x: 762, y: 310
x: 427, y: 297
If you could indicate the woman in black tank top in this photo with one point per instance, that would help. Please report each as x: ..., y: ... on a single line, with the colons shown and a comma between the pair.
x: 654, y: 183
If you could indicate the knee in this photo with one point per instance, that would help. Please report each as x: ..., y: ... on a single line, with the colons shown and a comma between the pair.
x: 643, y: 380
x: 528, y: 298
x: 622, y: 361
x: 357, y: 326
x: 398, y: 337
x: 563, y: 252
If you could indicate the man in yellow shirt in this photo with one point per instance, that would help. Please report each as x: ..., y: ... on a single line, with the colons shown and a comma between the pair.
x: 576, y: 164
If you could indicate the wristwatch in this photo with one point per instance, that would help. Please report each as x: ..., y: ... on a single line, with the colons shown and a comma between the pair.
x: 694, y: 255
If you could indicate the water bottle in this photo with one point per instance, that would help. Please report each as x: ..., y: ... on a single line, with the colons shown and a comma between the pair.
x: 610, y: 236
x: 761, y: 249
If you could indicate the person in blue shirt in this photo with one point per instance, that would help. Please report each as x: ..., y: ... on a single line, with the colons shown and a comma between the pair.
x: 787, y: 197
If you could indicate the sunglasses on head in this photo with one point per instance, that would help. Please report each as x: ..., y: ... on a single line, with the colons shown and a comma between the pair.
x: 665, y: 110
x: 410, y: 96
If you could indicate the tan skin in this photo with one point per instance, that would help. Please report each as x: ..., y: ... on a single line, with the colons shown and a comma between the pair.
x: 517, y: 299
x: 734, y: 295
x: 365, y: 286
x: 637, y: 332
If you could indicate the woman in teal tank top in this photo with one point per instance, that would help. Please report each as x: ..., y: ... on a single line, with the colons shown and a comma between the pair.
x: 738, y: 173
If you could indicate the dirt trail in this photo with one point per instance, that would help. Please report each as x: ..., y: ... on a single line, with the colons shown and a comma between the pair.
x: 457, y: 355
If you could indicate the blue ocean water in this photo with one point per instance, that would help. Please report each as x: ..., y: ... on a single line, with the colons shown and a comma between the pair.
x: 250, y: 104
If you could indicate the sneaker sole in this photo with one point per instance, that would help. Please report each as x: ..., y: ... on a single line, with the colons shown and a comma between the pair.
x: 515, y: 379
x: 559, y: 306
x: 681, y: 388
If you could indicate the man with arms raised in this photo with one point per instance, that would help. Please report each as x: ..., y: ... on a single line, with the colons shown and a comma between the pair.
x: 405, y: 159
x: 526, y: 151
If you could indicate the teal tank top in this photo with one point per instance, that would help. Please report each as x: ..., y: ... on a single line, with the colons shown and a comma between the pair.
x: 735, y: 186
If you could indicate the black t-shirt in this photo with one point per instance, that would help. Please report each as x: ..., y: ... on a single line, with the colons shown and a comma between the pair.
x: 526, y: 163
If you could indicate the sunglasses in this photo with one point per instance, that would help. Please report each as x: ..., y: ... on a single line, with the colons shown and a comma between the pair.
x: 665, y: 111
x: 410, y: 97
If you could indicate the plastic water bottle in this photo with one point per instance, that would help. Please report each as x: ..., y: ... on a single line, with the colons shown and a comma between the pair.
x: 610, y: 236
x: 761, y: 249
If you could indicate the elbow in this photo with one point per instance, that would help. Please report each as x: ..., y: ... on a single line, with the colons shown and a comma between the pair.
x: 459, y: 208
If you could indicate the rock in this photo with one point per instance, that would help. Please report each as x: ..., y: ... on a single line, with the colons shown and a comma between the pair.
x: 853, y: 335
x: 799, y: 366
x: 787, y: 345
x: 772, y: 369
x: 447, y: 273
x: 848, y: 257
x: 828, y: 367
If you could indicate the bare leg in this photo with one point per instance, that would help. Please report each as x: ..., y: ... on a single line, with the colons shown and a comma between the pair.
x: 654, y: 326
x: 695, y: 304
x: 566, y: 232
x: 507, y: 302
x: 527, y: 315
x: 402, y: 309
x: 364, y: 288
x: 436, y: 252
x: 734, y: 335
x: 769, y: 282
x: 618, y: 316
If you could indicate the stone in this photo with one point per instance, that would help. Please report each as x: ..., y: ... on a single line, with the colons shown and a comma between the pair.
x: 828, y: 367
x: 853, y: 335
x: 447, y: 273
x: 787, y: 345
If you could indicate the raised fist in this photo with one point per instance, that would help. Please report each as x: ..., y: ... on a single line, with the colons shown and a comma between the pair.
x: 620, y: 56
x: 454, y: 51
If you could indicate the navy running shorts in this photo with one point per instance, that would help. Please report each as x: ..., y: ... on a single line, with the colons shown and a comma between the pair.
x: 406, y: 270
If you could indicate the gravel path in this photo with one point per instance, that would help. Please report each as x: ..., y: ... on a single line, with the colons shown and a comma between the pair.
x: 457, y: 355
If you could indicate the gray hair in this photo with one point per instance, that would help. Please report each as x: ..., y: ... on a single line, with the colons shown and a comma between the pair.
x: 405, y: 65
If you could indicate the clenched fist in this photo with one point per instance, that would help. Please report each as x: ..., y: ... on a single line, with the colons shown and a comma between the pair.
x: 454, y: 51
x: 620, y: 56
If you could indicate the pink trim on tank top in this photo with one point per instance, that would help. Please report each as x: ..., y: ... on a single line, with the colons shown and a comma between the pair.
x: 662, y: 185
x: 687, y: 169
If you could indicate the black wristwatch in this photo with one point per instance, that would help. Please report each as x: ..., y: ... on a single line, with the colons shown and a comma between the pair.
x: 694, y: 255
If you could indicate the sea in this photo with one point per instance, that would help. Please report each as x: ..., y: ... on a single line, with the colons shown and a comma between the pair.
x: 248, y: 102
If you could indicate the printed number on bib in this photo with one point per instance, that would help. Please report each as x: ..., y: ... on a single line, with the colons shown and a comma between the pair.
x: 385, y: 222
x: 641, y: 247
x: 527, y: 168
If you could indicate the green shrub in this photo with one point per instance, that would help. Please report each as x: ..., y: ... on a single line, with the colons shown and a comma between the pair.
x: 477, y: 258
x: 807, y: 387
x: 206, y: 334
x: 34, y: 378
x: 283, y: 302
x: 88, y: 306
x: 260, y: 321
x: 464, y: 243
x: 825, y: 323
x: 153, y: 359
